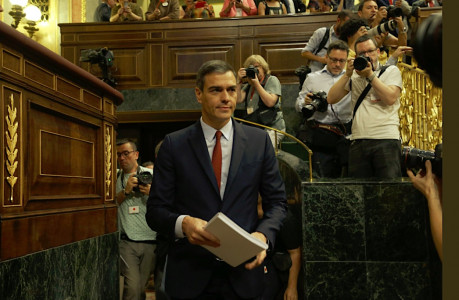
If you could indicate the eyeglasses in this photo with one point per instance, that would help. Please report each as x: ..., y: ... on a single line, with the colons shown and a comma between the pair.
x: 335, y: 60
x: 366, y: 52
x: 124, y: 153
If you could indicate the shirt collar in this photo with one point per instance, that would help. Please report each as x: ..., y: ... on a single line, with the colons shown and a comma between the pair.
x: 209, y: 132
x: 325, y: 70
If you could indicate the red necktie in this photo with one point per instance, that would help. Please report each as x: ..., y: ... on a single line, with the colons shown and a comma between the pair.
x: 217, y: 157
x: 390, y: 2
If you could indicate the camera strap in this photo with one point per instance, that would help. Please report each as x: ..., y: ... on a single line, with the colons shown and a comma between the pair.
x: 324, y: 41
x: 253, y: 90
x: 365, y: 91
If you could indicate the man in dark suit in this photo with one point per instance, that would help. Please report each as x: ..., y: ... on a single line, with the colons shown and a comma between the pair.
x: 186, y: 193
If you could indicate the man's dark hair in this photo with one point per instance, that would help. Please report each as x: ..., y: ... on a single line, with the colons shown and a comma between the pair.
x: 125, y: 141
x: 363, y: 2
x: 362, y: 39
x: 212, y: 66
x: 350, y: 27
x: 338, y: 45
x: 345, y: 13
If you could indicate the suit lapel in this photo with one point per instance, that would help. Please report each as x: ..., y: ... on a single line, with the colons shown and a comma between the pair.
x: 239, y: 144
x: 198, y: 145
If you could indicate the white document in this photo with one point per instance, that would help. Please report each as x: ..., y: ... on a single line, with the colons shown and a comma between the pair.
x: 236, y: 244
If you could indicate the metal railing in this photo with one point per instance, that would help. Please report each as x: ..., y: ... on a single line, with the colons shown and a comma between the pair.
x: 276, y: 147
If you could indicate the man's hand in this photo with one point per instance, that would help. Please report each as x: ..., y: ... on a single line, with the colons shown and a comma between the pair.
x: 307, y: 98
x: 380, y: 14
x: 145, y: 189
x: 425, y: 181
x: 367, y: 71
x: 260, y: 256
x: 131, y: 183
x: 291, y: 293
x: 350, y: 67
x: 193, y: 228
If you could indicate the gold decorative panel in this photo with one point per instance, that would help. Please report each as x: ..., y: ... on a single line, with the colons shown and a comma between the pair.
x: 108, y: 161
x: 420, y: 112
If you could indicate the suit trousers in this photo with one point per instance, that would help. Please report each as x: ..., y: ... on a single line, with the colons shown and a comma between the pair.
x: 219, y: 287
x: 137, y: 263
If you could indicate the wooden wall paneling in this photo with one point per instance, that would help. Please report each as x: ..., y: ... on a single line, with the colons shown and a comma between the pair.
x: 38, y: 75
x: 185, y: 60
x: 170, y: 43
x: 131, y: 65
x: 19, y: 237
x: 11, y: 61
x: 156, y: 66
x: 283, y: 59
x: 57, y: 137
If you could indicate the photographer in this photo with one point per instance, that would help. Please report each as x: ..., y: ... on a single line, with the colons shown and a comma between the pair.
x: 126, y: 11
x: 138, y: 241
x: 326, y: 130
x: 375, y: 97
x: 368, y: 10
x: 261, y: 94
x: 238, y: 8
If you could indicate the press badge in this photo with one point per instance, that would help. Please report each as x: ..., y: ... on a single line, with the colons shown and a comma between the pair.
x: 134, y: 209
x: 249, y: 110
x: 165, y: 3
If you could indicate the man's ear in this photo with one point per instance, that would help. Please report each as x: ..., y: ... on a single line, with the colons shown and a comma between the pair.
x: 198, y: 94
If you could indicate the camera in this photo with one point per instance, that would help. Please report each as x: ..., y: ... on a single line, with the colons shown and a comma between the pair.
x: 390, y: 25
x: 393, y: 11
x: 361, y: 62
x: 104, y: 58
x: 319, y: 103
x: 143, y: 178
x: 413, y: 158
x: 251, y: 72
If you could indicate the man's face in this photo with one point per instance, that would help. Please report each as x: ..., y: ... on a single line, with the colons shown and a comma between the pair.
x: 127, y: 158
x: 336, y: 61
x: 111, y: 3
x: 218, y: 98
x: 368, y: 49
x: 369, y: 10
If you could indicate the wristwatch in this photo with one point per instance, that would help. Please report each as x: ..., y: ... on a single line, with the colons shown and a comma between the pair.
x: 371, y: 77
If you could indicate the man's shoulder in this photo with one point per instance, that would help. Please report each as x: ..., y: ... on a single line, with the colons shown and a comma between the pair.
x: 321, y: 30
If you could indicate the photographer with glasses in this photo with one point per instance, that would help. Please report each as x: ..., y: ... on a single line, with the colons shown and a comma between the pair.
x: 375, y: 97
x: 326, y: 126
x: 138, y: 241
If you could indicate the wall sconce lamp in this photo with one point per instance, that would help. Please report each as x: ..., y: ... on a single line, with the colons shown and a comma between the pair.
x: 32, y: 16
x: 16, y: 11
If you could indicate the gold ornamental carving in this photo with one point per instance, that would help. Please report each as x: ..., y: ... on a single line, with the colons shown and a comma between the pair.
x: 420, y: 111
x: 11, y: 145
x: 108, y: 160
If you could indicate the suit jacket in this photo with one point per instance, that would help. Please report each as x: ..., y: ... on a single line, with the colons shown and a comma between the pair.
x: 184, y: 184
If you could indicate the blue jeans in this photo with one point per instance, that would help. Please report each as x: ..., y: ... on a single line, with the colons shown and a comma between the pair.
x: 369, y: 158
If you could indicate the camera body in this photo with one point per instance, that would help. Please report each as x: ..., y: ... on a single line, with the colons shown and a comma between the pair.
x: 251, y: 72
x: 360, y: 62
x: 394, y: 11
x: 143, y: 178
x: 413, y: 158
x: 319, y: 103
